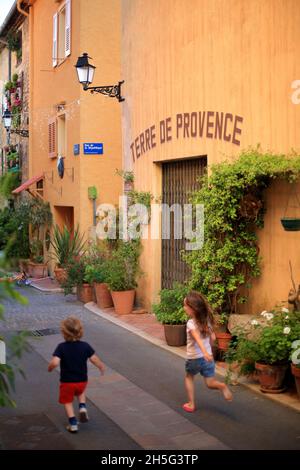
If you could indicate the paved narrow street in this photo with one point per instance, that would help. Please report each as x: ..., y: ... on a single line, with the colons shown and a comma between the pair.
x: 137, y: 404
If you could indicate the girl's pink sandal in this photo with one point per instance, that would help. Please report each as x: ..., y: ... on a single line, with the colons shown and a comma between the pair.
x: 188, y: 408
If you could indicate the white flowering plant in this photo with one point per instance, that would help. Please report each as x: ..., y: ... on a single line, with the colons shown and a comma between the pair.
x: 295, y: 355
x: 268, y: 339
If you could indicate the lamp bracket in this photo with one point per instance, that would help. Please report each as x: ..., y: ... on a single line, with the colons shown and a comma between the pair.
x: 113, y: 91
x: 21, y: 132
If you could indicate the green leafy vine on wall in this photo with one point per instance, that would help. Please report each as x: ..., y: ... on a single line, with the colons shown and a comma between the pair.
x: 14, y: 41
x: 141, y: 197
x: 234, y: 209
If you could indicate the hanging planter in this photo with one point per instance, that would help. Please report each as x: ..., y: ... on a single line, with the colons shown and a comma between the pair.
x: 290, y: 224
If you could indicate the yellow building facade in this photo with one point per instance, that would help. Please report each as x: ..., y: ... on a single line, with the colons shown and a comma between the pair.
x: 205, y: 79
x: 63, y: 117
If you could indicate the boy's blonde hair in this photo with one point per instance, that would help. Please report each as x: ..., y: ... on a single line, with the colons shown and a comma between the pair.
x: 71, y: 328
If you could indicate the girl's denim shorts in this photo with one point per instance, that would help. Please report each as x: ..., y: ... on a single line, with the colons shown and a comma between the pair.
x: 200, y: 366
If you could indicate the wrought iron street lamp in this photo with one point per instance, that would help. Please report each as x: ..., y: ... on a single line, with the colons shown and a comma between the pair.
x: 85, y: 72
x: 6, y: 116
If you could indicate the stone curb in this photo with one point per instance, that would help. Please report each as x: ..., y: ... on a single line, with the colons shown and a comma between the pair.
x: 34, y: 283
x: 279, y: 398
x: 50, y: 291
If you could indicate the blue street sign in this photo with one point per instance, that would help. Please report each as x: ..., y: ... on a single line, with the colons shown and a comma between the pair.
x: 93, y: 149
x: 76, y: 149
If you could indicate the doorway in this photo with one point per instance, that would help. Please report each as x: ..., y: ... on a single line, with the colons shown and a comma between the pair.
x: 64, y: 215
x: 179, y: 179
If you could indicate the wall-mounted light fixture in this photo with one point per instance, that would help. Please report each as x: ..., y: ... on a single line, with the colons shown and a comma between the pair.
x: 6, y: 117
x: 85, y: 72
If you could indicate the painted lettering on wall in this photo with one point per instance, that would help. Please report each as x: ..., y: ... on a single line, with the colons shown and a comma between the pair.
x: 195, y: 125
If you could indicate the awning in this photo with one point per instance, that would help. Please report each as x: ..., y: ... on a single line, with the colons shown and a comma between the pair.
x: 28, y: 183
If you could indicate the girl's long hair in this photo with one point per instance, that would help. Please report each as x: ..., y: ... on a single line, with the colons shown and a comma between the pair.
x: 203, y: 314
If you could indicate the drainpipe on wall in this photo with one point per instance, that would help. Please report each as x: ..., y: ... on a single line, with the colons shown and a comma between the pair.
x: 31, y: 87
x: 9, y: 64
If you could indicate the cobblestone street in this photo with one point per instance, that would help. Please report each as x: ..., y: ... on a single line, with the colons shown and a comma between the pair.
x: 45, y: 310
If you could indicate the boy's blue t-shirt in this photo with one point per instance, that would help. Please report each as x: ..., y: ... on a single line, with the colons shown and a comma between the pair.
x: 73, y: 360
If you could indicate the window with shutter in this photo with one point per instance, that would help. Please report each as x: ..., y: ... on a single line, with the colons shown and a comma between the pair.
x: 62, y: 33
x: 68, y: 29
x: 54, y: 47
x: 52, y: 136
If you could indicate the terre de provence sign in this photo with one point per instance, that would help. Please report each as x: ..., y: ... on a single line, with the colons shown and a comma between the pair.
x: 195, y: 125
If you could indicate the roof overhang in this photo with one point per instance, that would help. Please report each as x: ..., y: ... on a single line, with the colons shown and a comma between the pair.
x: 27, y: 186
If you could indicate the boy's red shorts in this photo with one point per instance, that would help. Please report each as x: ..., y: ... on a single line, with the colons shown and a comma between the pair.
x: 69, y: 390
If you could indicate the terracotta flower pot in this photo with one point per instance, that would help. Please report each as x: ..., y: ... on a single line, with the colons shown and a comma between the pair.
x: 296, y: 374
x: 223, y: 340
x: 271, y: 377
x: 123, y: 301
x: 60, y: 275
x: 128, y: 186
x: 85, y: 293
x: 37, y: 270
x: 103, y: 295
x: 175, y: 335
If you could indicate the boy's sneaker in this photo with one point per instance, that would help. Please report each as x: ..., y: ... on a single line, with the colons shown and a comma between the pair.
x: 83, y: 415
x: 72, y: 428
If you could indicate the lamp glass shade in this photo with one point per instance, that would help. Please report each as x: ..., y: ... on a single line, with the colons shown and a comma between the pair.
x: 7, y: 119
x: 85, y: 71
x: 86, y: 75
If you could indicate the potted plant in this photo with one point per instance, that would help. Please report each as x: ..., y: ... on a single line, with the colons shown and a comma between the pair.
x: 65, y: 247
x: 223, y: 335
x: 97, y: 274
x: 40, y: 219
x: 9, y: 86
x: 295, y: 360
x: 13, y: 41
x: 128, y: 178
x: 76, y: 278
x: 37, y: 268
x: 123, y: 270
x: 290, y: 224
x: 266, y: 345
x: 295, y: 367
x: 171, y: 314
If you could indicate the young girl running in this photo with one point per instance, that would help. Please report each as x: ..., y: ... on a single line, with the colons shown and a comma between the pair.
x: 200, y: 337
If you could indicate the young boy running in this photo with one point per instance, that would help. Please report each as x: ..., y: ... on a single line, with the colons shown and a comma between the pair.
x: 72, y: 356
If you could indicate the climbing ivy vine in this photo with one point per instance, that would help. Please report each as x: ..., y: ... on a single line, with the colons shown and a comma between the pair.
x: 234, y: 207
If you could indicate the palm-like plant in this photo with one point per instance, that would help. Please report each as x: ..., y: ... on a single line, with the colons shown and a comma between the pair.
x: 66, y: 245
